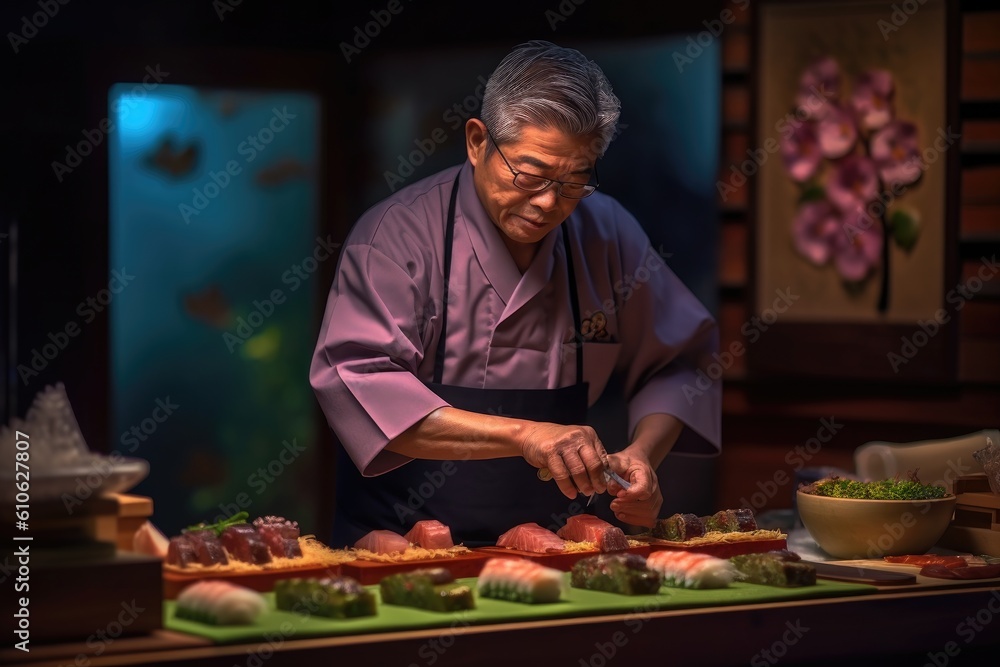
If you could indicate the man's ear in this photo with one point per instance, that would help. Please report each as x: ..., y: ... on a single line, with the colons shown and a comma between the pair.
x: 475, y: 140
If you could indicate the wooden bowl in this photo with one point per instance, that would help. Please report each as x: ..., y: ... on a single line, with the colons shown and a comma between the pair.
x: 850, y: 528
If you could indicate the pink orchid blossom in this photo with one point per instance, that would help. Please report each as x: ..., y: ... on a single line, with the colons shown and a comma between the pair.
x: 819, y: 87
x: 873, y: 99
x: 897, y: 153
x: 853, y: 183
x: 838, y: 132
x: 801, y: 153
x: 814, y: 229
x: 857, y: 248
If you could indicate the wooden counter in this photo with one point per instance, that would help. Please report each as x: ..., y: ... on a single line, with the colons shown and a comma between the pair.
x: 915, y: 624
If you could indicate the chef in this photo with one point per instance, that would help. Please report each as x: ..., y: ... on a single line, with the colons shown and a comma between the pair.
x: 476, y: 314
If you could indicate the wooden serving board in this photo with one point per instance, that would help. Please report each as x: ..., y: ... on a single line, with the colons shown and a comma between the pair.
x: 561, y: 561
x: 263, y: 580
x: 717, y: 549
x: 372, y: 572
x: 920, y: 582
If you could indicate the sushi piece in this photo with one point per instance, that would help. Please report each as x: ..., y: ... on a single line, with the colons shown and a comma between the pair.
x: 589, y: 528
x: 180, y: 552
x: 430, y: 534
x: 723, y: 521
x: 219, y: 603
x: 745, y: 520
x: 243, y: 543
x: 625, y: 574
x: 681, y: 569
x: 207, y: 547
x: 151, y: 541
x: 433, y: 589
x: 775, y: 568
x: 280, y: 535
x: 383, y: 542
x: 532, y: 537
x: 519, y: 580
x: 679, y: 527
x: 332, y: 597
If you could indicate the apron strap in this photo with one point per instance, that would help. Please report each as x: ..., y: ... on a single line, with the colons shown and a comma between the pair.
x: 575, y: 304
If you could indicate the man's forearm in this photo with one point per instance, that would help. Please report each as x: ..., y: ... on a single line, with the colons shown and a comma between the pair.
x: 655, y: 436
x: 452, y: 434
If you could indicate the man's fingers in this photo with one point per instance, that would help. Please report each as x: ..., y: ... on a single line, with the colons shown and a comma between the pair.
x: 562, y: 476
x: 594, y: 468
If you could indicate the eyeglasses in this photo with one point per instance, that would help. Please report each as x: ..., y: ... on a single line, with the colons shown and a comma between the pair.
x: 533, y: 183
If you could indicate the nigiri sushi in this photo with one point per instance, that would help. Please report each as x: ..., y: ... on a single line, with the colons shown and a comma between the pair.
x: 519, y: 580
x: 383, y: 542
x: 219, y: 603
x: 682, y: 569
x: 430, y: 534
x: 531, y: 537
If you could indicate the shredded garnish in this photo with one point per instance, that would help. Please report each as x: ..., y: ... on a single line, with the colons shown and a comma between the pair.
x: 411, y: 553
x: 717, y: 537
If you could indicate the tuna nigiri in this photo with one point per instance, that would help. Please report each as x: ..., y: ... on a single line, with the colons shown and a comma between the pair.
x: 682, y: 569
x: 383, y: 542
x: 531, y: 537
x: 430, y: 534
x: 589, y: 528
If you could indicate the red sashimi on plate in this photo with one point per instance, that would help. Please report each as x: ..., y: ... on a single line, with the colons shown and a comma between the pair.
x: 532, y: 537
x: 928, y: 559
x: 968, y: 572
x: 430, y: 534
x: 589, y: 528
x: 383, y: 542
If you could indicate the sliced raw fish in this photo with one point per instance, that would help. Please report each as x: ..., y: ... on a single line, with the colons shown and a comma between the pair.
x: 531, y: 537
x: 430, y: 534
x: 271, y: 524
x: 151, y: 541
x: 180, y: 552
x: 244, y: 544
x: 589, y: 528
x: 207, y: 547
x: 383, y: 542
x: 278, y: 543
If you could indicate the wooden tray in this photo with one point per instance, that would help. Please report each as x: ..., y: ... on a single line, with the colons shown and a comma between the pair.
x: 371, y: 572
x: 718, y: 549
x: 174, y: 582
x: 561, y: 561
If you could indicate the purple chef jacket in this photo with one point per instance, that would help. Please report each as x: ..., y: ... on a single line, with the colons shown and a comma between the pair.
x: 379, y: 335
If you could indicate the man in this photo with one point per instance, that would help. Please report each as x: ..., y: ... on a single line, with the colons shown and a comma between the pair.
x: 477, y: 313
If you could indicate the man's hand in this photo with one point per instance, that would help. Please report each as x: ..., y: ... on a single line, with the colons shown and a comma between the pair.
x: 573, y: 455
x: 639, y: 505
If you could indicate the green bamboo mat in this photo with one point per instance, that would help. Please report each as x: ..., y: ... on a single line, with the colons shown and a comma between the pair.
x: 273, y: 625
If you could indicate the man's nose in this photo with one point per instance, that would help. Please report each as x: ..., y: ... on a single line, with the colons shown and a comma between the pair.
x: 547, y: 199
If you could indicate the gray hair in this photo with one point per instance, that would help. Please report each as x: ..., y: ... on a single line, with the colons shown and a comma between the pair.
x: 539, y: 83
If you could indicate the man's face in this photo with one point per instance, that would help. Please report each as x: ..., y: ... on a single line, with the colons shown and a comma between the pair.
x: 526, y: 217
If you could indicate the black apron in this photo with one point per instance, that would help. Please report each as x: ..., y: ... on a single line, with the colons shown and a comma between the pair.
x: 478, y: 500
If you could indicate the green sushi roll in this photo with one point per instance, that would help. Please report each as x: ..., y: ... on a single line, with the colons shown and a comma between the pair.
x: 332, y: 597
x: 775, y: 568
x: 433, y: 589
x: 679, y: 527
x: 625, y: 574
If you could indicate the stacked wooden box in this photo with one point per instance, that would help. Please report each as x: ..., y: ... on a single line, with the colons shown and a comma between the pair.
x: 976, y: 526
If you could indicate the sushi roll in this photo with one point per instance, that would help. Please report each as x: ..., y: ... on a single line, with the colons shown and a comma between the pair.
x: 625, y: 574
x: 681, y: 569
x: 679, y: 527
x: 433, y: 589
x: 219, y: 603
x: 520, y: 580
x: 332, y: 597
x: 775, y: 568
x: 723, y: 521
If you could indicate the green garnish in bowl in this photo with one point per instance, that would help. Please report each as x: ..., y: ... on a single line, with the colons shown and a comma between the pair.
x: 889, y: 489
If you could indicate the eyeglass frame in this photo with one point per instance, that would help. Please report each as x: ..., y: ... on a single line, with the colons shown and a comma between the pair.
x: 548, y: 181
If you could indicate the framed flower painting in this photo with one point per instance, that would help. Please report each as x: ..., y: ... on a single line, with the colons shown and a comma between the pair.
x: 854, y: 205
